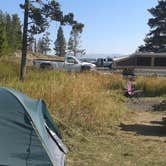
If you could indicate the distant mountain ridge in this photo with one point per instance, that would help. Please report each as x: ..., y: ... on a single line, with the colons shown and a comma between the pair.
x: 98, y: 55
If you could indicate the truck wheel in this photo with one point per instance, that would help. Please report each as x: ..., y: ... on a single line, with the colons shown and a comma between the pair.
x: 85, y: 68
x: 110, y: 66
x: 45, y: 66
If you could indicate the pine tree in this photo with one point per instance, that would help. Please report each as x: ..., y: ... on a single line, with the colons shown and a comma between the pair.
x: 12, y: 31
x: 74, y: 40
x: 30, y: 46
x: 155, y: 41
x: 35, y: 45
x: 3, y: 40
x: 60, y: 43
x: 46, y: 43
x: 9, y: 32
x: 17, y: 33
x: 70, y: 46
x: 40, y: 46
x: 1, y: 16
x: 43, y: 44
x: 37, y: 17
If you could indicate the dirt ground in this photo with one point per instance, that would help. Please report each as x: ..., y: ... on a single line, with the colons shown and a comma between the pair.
x: 140, y: 140
x: 145, y: 131
x: 146, y: 121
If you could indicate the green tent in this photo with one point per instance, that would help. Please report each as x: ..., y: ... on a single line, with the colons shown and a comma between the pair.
x: 28, y: 136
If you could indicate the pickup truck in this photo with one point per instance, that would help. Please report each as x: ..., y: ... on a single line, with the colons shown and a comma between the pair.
x: 70, y: 63
x: 104, y: 62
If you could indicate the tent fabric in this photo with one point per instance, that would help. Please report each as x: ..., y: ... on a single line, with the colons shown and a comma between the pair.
x: 28, y: 136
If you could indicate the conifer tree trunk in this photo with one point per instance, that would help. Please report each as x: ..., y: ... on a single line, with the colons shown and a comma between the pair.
x: 35, y: 46
x: 24, y: 42
x: 75, y: 43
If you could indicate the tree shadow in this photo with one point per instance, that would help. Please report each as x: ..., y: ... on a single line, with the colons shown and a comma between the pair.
x: 145, y: 130
x: 160, y: 106
x: 158, y: 122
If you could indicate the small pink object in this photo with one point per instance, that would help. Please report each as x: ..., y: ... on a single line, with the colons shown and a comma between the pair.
x: 129, y: 88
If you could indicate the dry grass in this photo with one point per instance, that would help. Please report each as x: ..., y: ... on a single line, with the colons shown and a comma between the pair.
x: 152, y: 86
x: 85, y: 100
x: 88, y: 107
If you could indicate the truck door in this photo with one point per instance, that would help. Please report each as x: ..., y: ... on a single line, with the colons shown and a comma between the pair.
x: 71, y: 64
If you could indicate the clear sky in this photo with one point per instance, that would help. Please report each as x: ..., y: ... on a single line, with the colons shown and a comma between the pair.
x: 111, y: 26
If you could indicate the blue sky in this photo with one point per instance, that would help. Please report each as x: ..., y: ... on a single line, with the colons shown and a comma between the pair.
x: 111, y: 26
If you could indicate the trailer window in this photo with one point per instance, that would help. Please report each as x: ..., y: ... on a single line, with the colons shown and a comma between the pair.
x: 127, y: 62
x: 144, y: 61
x: 160, y: 61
